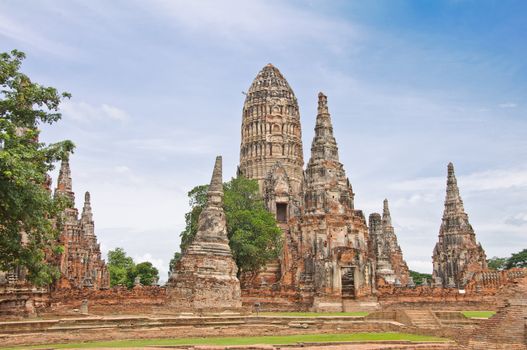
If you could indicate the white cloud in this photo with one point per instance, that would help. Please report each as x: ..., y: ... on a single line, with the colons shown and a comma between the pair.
x: 14, y: 30
x: 85, y: 112
x: 183, y: 144
x: 423, y: 266
x: 508, y: 105
x: 519, y: 219
x: 490, y: 180
x: 240, y: 21
x: 161, y: 265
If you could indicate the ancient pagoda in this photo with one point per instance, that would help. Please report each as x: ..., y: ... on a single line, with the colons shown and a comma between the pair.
x: 457, y: 255
x: 326, y: 253
x: 390, y: 267
x: 80, y: 264
x: 271, y: 145
x: 205, y: 276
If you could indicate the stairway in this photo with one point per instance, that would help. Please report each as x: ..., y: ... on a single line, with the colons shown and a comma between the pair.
x: 423, y: 318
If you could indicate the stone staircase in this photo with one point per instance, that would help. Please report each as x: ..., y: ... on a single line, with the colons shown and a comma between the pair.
x: 423, y: 318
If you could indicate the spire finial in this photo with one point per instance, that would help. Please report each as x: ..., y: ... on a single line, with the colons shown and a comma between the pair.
x: 322, y: 103
x: 386, y: 216
x: 215, y: 193
x: 87, y: 216
x: 450, y: 169
x: 453, y: 200
x: 64, y: 183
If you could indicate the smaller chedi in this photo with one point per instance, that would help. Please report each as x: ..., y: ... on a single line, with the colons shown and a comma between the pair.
x: 457, y: 256
x: 390, y: 266
x: 81, y: 264
x: 205, y: 276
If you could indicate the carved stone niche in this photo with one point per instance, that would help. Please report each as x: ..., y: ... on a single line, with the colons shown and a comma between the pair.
x: 277, y: 192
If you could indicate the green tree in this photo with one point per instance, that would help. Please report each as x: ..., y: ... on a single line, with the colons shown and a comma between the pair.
x: 418, y: 277
x: 517, y: 260
x: 147, y: 273
x: 197, y: 199
x: 496, y: 263
x: 254, y: 236
x: 29, y: 215
x: 123, y: 270
x: 119, y: 266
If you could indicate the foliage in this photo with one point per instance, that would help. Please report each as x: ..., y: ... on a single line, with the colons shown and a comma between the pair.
x: 123, y: 270
x: 418, y: 277
x: 119, y: 265
x: 517, y: 260
x: 254, y: 236
x: 147, y: 273
x: 496, y: 263
x: 173, y: 262
x: 28, y: 233
x: 198, y: 198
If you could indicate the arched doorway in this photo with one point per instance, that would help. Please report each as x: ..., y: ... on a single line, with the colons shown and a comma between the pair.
x: 348, y: 282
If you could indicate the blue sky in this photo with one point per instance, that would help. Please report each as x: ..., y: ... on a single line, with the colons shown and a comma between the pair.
x: 157, y: 94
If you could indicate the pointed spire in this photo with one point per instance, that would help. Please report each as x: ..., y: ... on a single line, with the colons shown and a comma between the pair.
x: 64, y: 183
x: 86, y: 210
x: 322, y: 104
x: 453, y: 201
x: 386, y: 217
x: 324, y: 145
x: 215, y: 193
x: 87, y: 216
x: 323, y: 116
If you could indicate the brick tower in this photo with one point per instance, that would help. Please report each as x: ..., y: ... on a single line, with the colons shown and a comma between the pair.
x: 271, y: 142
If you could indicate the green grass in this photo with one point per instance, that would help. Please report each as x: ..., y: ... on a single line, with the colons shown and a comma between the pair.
x: 314, y: 314
x: 479, y: 314
x: 224, y: 341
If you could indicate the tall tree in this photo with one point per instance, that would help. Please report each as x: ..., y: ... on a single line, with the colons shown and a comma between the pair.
x: 254, y: 236
x: 27, y: 230
x: 119, y: 266
x: 146, y: 272
x: 517, y: 260
x: 123, y: 270
x: 496, y: 263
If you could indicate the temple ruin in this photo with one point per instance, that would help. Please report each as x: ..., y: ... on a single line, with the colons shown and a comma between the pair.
x: 326, y: 253
x: 80, y: 263
x: 457, y: 256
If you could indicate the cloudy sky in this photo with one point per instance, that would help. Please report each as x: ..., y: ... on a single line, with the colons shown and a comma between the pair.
x: 157, y: 94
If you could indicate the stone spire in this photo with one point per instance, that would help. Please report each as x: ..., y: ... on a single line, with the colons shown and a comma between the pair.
x: 215, y: 193
x: 390, y: 266
x: 453, y: 202
x: 327, y: 189
x: 386, y: 217
x: 212, y: 226
x: 324, y: 145
x: 64, y: 183
x: 457, y: 255
x: 87, y: 224
x: 205, y: 276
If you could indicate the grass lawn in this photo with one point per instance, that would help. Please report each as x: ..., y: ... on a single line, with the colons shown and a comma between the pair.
x: 479, y: 314
x: 287, y: 339
x: 314, y: 314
